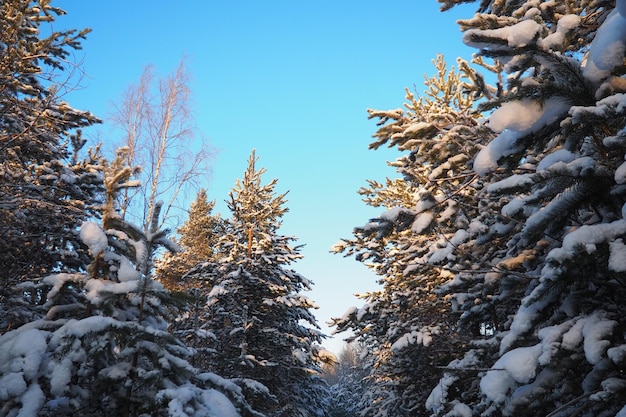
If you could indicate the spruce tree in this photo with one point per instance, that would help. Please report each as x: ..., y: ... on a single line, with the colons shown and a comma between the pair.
x: 46, y: 190
x: 348, y: 382
x: 266, y: 335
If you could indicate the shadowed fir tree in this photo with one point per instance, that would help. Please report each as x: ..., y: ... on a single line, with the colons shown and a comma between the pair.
x: 46, y: 192
x: 266, y: 336
x: 348, y: 381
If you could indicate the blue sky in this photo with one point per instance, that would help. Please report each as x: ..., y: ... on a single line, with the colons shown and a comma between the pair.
x: 291, y: 79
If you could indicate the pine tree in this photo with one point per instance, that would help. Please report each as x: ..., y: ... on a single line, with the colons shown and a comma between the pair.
x: 424, y: 234
x: 103, y: 347
x: 198, y: 240
x: 257, y: 312
x: 198, y: 243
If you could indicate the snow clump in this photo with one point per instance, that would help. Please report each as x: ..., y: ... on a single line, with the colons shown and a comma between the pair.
x: 94, y: 237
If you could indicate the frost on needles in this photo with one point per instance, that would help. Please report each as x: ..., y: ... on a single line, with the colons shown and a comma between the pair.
x: 505, y: 229
x: 103, y: 345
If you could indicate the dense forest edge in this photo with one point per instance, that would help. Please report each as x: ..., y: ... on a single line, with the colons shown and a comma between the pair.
x: 500, y: 252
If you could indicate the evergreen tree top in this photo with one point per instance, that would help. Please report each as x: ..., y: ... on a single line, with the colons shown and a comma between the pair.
x: 254, y: 204
x: 257, y: 213
x: 41, y: 177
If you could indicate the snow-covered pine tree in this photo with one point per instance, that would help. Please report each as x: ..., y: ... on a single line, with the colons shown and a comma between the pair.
x: 197, y: 241
x: 103, y: 347
x: 426, y: 232
x: 45, y: 191
x: 266, y: 336
x: 555, y: 174
x: 198, y: 244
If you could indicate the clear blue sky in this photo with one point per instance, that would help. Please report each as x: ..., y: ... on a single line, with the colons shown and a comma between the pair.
x: 291, y: 79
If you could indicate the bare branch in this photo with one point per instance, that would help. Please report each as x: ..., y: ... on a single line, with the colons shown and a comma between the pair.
x: 157, y: 125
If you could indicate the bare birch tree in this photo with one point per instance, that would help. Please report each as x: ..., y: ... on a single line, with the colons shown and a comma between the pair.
x: 157, y: 125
